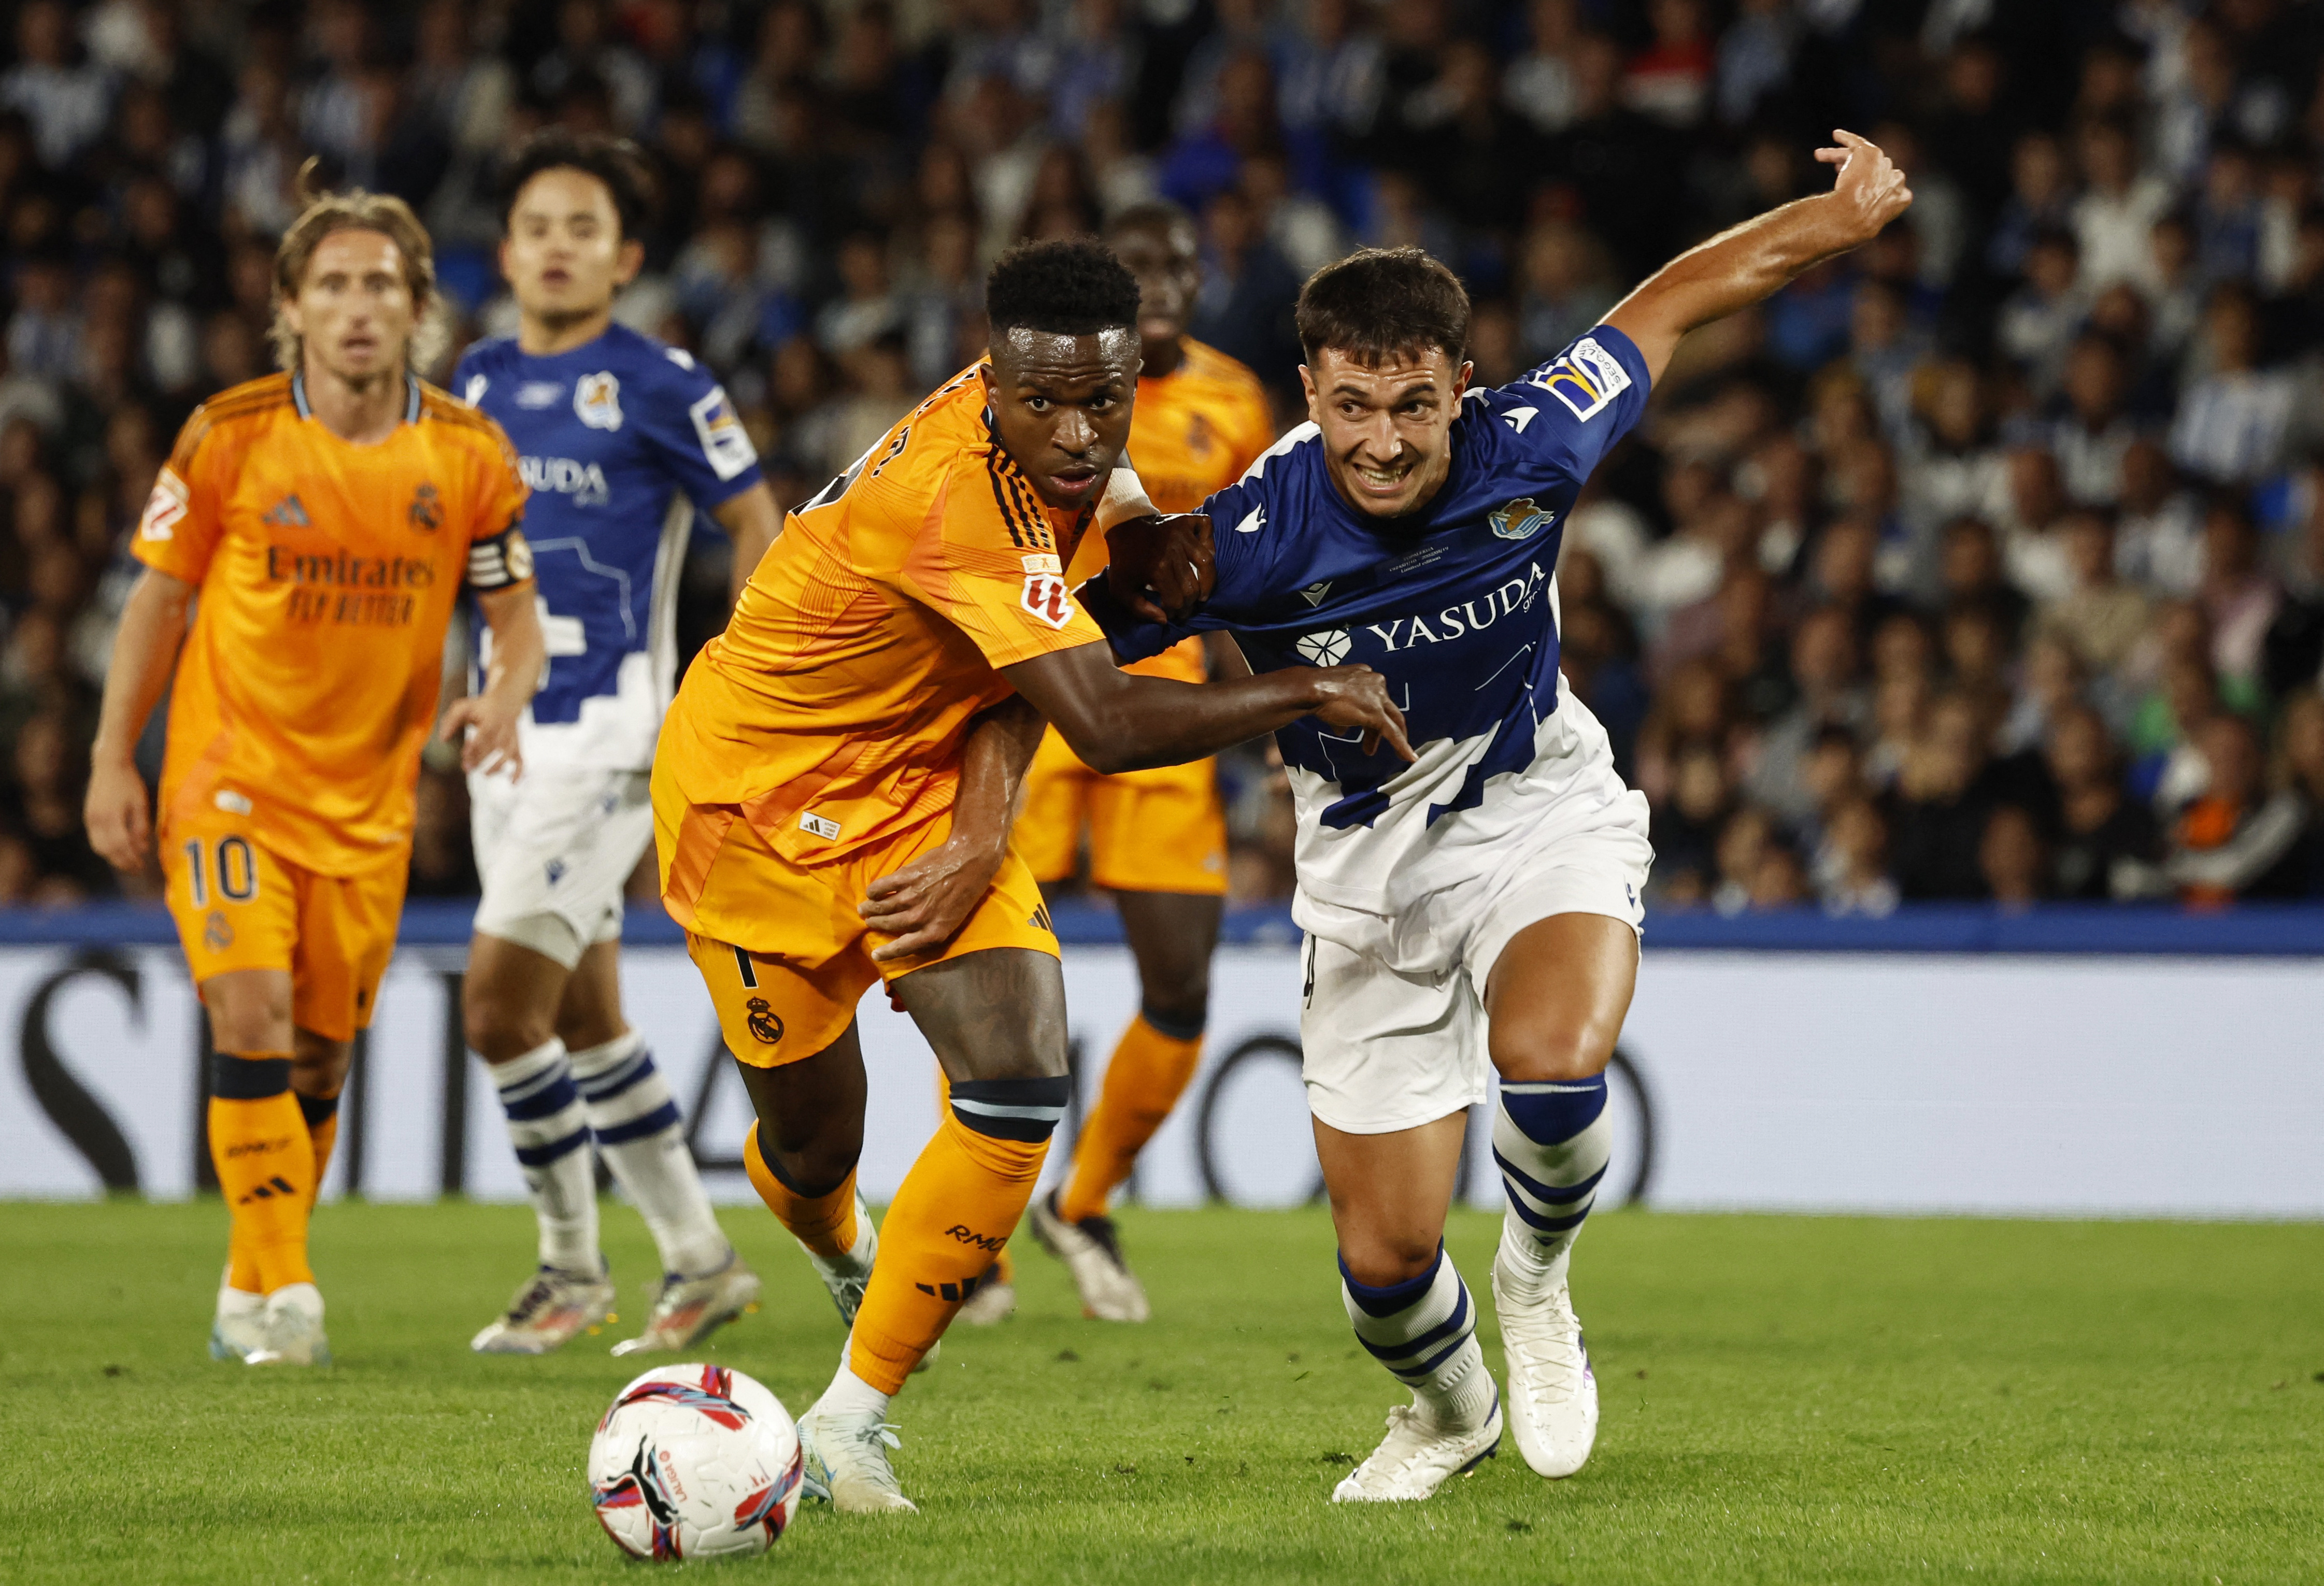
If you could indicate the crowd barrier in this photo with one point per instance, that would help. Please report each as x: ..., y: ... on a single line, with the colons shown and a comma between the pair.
x: 2057, y: 1062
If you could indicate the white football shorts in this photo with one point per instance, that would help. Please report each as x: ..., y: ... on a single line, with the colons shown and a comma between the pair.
x: 554, y: 850
x: 1392, y: 1019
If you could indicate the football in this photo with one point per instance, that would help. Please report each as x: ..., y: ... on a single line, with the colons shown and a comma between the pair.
x: 694, y: 1461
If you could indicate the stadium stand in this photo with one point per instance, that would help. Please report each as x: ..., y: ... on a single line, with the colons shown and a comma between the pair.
x: 1989, y: 564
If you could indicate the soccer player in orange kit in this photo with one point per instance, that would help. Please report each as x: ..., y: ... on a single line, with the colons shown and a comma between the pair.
x: 861, y: 713
x: 328, y: 518
x: 1157, y: 836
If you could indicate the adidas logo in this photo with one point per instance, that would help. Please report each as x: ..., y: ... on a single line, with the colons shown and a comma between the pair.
x: 1041, y: 920
x: 290, y: 512
x: 952, y: 1291
x: 267, y: 1191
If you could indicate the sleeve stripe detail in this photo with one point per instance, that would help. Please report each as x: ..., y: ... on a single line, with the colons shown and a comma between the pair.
x: 1037, y: 523
x: 1000, y: 499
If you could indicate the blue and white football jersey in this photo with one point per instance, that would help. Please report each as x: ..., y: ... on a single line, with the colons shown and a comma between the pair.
x: 1455, y: 607
x: 621, y: 439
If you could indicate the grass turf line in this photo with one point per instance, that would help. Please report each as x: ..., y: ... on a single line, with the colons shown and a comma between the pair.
x: 1785, y: 1399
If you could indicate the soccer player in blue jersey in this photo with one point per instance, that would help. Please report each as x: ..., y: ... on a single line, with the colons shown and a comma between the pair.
x: 623, y: 440
x: 1478, y: 909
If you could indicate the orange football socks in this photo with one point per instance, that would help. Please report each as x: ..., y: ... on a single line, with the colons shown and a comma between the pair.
x: 265, y: 1161
x: 823, y: 1223
x: 1144, y: 1080
x: 322, y: 1115
x: 953, y: 1213
x: 1004, y: 1265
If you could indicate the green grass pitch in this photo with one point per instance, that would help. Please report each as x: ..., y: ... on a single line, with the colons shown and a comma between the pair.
x: 1785, y: 1399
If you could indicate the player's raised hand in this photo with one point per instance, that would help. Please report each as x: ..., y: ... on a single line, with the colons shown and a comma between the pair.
x: 924, y: 905
x: 120, y: 826
x: 1161, y: 567
x: 1871, y: 190
x: 1357, y: 696
x: 490, y: 743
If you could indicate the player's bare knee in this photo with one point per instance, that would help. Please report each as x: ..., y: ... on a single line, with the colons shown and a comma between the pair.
x: 318, y: 1067
x: 1549, y: 1049
x: 1384, y: 1259
x: 498, y: 1032
x: 815, y: 1165
x: 249, y: 1013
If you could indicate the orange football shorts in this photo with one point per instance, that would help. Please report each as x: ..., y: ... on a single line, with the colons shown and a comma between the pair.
x: 1152, y: 831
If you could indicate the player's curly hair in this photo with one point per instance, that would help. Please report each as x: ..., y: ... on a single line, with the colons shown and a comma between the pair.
x: 1379, y: 303
x: 1069, y: 287
x: 615, y: 161
x: 324, y: 213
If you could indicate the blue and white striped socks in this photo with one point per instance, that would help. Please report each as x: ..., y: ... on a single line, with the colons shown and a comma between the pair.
x: 1550, y: 1140
x: 643, y: 1135
x: 1423, y: 1330
x: 551, y: 1132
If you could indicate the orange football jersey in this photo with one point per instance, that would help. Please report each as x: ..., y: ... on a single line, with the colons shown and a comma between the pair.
x: 832, y: 710
x: 1196, y: 430
x: 327, y: 574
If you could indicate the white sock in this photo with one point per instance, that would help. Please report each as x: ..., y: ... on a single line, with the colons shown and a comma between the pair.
x: 642, y: 1135
x: 303, y: 1297
x: 1550, y: 1140
x: 851, y: 1394
x: 1424, y: 1332
x: 233, y: 1302
x: 551, y: 1135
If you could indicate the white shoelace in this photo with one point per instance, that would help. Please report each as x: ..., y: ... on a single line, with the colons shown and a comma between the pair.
x: 1549, y: 1337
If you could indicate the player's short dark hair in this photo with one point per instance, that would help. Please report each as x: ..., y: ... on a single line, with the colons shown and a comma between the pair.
x: 615, y: 161
x: 1072, y: 285
x: 1377, y: 303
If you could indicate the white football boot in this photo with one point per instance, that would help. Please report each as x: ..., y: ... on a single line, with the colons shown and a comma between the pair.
x: 846, y: 1460
x: 1419, y: 1456
x: 1553, y: 1392
x: 1091, y: 1252
x: 293, y: 1329
x: 995, y: 1302
x: 240, y: 1324
x: 687, y: 1310
x: 847, y: 1277
x: 552, y: 1306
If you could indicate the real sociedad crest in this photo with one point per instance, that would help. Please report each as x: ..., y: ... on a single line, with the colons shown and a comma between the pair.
x: 1521, y: 520
x: 597, y: 400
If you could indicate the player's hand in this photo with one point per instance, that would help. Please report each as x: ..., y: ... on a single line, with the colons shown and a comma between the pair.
x: 1161, y: 567
x: 491, y: 744
x: 1871, y: 190
x: 924, y: 905
x: 1357, y: 696
x: 120, y: 822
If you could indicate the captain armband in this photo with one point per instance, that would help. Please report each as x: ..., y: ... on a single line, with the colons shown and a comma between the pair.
x: 500, y: 562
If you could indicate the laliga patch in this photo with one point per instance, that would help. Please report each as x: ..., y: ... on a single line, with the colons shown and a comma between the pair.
x: 1044, y: 595
x: 597, y: 400
x: 1585, y: 379
x: 725, y: 443
x: 1520, y: 519
x: 163, y: 508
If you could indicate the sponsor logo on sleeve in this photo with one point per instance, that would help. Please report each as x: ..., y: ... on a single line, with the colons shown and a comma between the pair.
x: 597, y: 400
x: 725, y: 443
x: 163, y: 508
x: 1044, y: 595
x: 1585, y: 379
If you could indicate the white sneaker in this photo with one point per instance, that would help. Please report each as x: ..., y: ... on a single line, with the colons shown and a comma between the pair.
x: 847, y: 1277
x: 846, y: 1459
x: 687, y: 1310
x: 1553, y: 1392
x: 240, y: 1324
x: 552, y: 1306
x: 293, y: 1329
x: 1418, y: 1456
x: 1091, y: 1252
x: 995, y: 1302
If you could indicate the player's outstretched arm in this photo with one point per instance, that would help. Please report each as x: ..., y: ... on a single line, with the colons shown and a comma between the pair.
x: 925, y: 903
x: 519, y: 654
x: 145, y: 651
x: 751, y: 522
x: 1117, y: 721
x: 1755, y: 260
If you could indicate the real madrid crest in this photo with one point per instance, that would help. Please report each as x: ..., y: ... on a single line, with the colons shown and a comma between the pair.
x: 597, y: 400
x: 1520, y: 519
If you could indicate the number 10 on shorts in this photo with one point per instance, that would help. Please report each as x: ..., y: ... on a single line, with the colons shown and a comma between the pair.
x: 227, y: 863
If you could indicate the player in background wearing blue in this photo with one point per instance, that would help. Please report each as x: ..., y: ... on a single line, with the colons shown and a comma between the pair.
x: 621, y: 439
x: 1477, y: 909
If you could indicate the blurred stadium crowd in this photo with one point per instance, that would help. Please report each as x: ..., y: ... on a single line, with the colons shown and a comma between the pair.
x: 1989, y: 563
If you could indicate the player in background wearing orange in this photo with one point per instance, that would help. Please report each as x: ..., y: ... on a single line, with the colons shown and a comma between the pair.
x: 1158, y: 837
x: 328, y: 519
x: 860, y: 715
